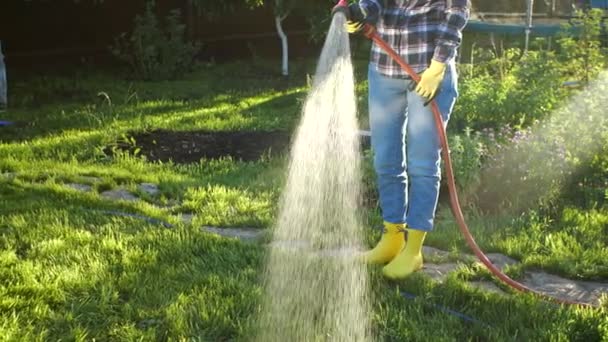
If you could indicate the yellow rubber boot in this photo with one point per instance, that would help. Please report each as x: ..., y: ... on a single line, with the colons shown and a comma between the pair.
x: 391, y: 243
x: 410, y: 258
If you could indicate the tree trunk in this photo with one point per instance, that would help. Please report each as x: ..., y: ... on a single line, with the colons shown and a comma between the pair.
x: 284, y: 43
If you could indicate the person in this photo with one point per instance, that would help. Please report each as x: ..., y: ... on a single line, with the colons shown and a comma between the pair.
x: 3, y: 99
x: 405, y: 141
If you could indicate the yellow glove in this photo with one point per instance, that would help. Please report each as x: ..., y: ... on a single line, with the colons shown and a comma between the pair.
x: 353, y: 26
x: 430, y: 80
x: 356, y: 19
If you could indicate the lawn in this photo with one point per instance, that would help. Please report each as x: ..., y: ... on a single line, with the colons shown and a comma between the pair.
x: 70, y: 269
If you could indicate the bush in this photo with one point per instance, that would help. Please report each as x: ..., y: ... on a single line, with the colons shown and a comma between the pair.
x: 511, y: 89
x: 564, y: 156
x: 155, y: 53
x: 540, y: 139
x: 508, y: 170
x: 584, y: 124
x: 517, y: 88
x: 524, y: 168
x: 467, y: 151
x: 580, y: 48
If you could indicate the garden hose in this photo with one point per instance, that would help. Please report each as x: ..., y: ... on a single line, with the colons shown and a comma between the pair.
x: 370, y: 32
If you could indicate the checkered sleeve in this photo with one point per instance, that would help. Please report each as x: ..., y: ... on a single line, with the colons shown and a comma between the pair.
x: 450, y: 30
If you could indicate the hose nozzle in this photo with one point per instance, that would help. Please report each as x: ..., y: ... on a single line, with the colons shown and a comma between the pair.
x: 341, y: 7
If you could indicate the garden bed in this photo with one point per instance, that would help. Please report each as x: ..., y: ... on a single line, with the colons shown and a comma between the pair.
x: 190, y: 147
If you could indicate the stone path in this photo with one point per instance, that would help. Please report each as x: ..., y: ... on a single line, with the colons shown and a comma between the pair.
x: 119, y: 194
x: 580, y: 291
x: 552, y: 285
x: 488, y: 286
x: 149, y: 188
x: 573, y: 290
x: 438, y: 266
x: 80, y: 187
x: 8, y: 175
x: 245, y: 234
x: 187, y: 218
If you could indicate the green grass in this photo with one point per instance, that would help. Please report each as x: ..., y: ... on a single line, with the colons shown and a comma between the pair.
x: 572, y: 245
x: 71, y: 272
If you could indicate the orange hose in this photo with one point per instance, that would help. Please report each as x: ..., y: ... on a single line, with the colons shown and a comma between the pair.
x: 370, y: 32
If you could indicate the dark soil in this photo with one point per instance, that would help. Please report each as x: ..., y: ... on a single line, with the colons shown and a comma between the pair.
x: 191, y: 147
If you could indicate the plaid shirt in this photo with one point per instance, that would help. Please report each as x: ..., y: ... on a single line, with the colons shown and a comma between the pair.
x: 419, y: 30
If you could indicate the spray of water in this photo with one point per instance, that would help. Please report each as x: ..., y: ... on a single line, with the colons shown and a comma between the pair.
x: 315, y: 290
x: 539, y: 161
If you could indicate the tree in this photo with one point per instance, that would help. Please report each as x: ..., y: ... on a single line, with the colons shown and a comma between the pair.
x: 309, y: 8
x: 215, y: 8
x: 156, y: 50
x: 282, y: 8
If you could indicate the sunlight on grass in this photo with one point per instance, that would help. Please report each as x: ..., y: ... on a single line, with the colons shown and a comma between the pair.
x: 69, y: 271
x: 218, y: 205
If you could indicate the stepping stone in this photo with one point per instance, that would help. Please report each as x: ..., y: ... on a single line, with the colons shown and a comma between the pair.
x: 580, y: 291
x: 552, y: 285
x: 344, y: 252
x: 439, y: 272
x: 149, y: 188
x: 487, y: 286
x: 187, y: 218
x: 501, y: 261
x: 290, y: 245
x: 432, y: 252
x: 147, y: 323
x: 304, y: 247
x: 80, y: 187
x: 119, y: 194
x: 245, y: 234
x: 170, y: 205
x: 89, y: 180
x: 9, y: 175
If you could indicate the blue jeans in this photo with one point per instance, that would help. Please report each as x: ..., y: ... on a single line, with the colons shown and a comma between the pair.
x: 407, y: 152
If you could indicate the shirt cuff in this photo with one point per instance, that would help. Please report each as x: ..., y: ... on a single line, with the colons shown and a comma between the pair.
x: 444, y: 53
x: 371, y: 9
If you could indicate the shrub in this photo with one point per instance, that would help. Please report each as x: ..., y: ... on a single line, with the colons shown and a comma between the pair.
x: 517, y: 88
x: 524, y: 168
x: 510, y: 89
x: 155, y: 53
x: 467, y: 151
